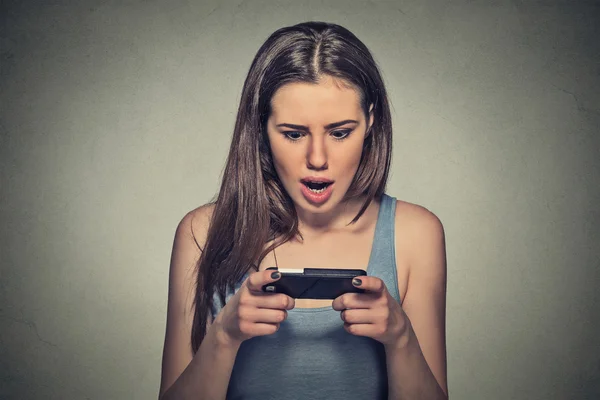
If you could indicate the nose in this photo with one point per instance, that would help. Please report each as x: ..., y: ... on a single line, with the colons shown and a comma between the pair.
x: 316, y: 157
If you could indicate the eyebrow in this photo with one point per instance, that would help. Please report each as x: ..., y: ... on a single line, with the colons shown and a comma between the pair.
x: 328, y: 126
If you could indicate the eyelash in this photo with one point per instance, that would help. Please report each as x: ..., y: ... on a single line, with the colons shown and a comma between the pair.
x: 346, y: 133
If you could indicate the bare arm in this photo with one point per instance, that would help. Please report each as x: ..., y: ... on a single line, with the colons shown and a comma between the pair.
x: 206, y: 374
x: 417, y: 365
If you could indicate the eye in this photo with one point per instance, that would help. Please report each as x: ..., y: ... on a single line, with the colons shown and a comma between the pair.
x: 293, y: 135
x: 341, y: 134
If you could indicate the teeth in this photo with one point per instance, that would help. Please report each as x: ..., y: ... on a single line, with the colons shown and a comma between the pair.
x: 317, y: 190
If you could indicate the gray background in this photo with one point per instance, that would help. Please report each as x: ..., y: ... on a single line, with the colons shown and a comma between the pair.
x: 115, y: 121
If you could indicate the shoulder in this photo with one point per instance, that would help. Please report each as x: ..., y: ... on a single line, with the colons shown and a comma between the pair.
x: 190, y: 237
x: 417, y: 222
x: 194, y: 225
x: 420, y: 238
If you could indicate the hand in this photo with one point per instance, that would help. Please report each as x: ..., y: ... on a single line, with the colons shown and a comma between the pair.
x: 374, y: 313
x: 251, y: 312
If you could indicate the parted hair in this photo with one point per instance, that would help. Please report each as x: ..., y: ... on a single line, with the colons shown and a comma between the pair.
x: 252, y: 208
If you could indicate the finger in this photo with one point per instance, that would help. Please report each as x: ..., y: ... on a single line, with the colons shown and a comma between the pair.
x: 257, y: 280
x: 263, y: 315
x: 369, y: 283
x: 368, y: 330
x: 361, y: 316
x: 277, y: 301
x: 354, y: 300
x: 261, y: 329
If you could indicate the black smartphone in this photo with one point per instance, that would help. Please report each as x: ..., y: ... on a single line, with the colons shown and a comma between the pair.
x: 314, y: 283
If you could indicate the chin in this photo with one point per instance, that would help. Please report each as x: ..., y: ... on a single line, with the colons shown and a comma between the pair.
x: 324, y: 208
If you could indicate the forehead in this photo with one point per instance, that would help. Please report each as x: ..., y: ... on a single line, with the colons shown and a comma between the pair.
x: 327, y: 101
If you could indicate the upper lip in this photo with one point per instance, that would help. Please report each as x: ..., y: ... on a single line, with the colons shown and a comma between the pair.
x: 316, y: 179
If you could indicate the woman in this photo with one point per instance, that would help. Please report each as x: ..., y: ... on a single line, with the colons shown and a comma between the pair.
x: 304, y: 187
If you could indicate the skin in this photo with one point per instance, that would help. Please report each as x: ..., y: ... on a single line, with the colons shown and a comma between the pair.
x: 412, y: 332
x: 420, y: 260
x: 315, y: 151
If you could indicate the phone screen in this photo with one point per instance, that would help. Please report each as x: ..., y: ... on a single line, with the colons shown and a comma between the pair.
x: 315, y: 283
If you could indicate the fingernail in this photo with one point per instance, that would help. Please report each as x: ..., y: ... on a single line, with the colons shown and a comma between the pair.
x: 275, y: 275
x: 356, y: 282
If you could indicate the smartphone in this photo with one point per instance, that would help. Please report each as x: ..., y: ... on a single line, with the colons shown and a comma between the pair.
x: 314, y: 283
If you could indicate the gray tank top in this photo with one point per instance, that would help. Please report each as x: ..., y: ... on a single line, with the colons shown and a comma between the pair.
x: 311, y: 356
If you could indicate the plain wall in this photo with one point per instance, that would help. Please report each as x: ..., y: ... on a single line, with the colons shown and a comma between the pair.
x: 116, y: 117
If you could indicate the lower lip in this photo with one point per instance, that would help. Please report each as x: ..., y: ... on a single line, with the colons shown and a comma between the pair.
x: 316, y: 198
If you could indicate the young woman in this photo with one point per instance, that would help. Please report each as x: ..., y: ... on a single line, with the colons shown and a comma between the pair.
x: 304, y: 187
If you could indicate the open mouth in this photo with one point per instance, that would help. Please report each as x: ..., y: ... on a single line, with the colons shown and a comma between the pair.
x: 317, y: 187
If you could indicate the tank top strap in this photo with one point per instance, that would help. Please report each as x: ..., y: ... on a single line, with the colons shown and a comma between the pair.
x: 382, y: 261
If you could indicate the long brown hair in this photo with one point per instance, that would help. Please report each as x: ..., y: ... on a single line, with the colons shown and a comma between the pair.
x: 252, y: 207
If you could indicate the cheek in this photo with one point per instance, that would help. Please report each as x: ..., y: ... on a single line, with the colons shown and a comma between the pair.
x: 280, y: 167
x: 351, y: 158
x: 284, y: 160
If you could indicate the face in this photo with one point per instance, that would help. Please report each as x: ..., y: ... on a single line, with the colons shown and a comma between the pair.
x: 316, y: 133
